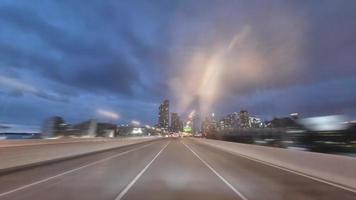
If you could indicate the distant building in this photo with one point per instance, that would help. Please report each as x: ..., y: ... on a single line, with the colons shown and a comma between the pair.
x: 239, y: 120
x: 283, y: 122
x: 195, y: 123
x: 221, y: 124
x: 294, y: 116
x: 129, y: 130
x: 106, y: 130
x: 163, y: 118
x: 231, y: 121
x: 87, y: 128
x: 54, y: 126
x: 181, y: 125
x: 244, y: 118
x: 175, y: 122
x: 125, y: 130
x: 209, y: 124
x: 256, y: 122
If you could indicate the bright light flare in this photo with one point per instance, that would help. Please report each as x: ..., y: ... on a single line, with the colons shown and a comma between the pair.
x: 240, y: 62
x: 134, y: 122
x: 325, y: 123
x: 137, y: 131
x: 192, y: 114
x: 108, y: 114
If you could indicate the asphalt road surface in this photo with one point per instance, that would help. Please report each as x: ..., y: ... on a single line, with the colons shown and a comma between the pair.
x: 163, y: 169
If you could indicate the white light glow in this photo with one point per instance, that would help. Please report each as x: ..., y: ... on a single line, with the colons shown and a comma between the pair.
x: 134, y: 122
x: 137, y: 131
x: 108, y: 114
x: 325, y: 123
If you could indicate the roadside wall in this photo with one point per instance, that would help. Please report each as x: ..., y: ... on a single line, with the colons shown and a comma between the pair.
x: 27, y: 153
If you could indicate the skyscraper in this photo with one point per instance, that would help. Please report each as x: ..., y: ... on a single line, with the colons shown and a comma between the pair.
x: 163, y: 118
x: 175, y: 122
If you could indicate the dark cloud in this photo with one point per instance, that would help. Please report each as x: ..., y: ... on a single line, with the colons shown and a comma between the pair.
x: 113, y: 77
x: 86, y: 63
x: 129, y: 55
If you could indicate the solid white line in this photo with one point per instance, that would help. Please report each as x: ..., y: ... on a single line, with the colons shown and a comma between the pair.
x: 291, y: 171
x: 127, y: 188
x: 217, y: 174
x: 71, y: 171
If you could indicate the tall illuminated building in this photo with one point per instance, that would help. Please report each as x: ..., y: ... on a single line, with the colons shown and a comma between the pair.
x: 163, y: 118
x: 175, y: 122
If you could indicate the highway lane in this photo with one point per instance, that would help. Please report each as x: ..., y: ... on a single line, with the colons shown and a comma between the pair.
x: 163, y: 169
x: 99, y: 176
x: 178, y: 174
x: 259, y: 181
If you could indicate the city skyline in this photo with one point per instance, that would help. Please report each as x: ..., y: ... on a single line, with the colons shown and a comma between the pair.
x: 177, y: 99
x: 271, y: 58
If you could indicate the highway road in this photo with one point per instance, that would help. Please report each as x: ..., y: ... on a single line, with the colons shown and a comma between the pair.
x: 163, y: 169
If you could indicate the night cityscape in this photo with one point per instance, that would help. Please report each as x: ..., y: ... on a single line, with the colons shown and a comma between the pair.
x: 205, y: 99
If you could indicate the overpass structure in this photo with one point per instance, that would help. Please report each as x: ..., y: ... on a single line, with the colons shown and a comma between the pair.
x: 174, y: 168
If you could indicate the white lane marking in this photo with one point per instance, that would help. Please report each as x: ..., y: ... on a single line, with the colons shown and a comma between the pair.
x: 289, y: 170
x: 71, y: 171
x: 128, y: 187
x: 217, y: 174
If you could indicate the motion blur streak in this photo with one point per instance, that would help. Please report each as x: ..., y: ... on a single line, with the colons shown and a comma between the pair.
x: 18, y: 88
x: 108, y: 114
x: 238, y: 63
x: 14, y: 84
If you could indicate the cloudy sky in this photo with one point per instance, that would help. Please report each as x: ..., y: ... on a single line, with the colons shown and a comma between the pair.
x: 73, y: 58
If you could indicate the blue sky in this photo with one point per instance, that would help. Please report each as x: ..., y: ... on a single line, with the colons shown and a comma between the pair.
x: 70, y: 58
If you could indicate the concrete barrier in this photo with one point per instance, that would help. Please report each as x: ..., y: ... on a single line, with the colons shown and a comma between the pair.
x: 332, y: 168
x: 29, y: 153
x: 30, y: 142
